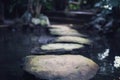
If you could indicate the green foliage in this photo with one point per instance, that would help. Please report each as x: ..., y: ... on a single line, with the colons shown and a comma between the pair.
x: 14, y: 3
x: 73, y: 7
x: 114, y: 2
x: 108, y: 3
x: 48, y: 5
x: 23, y: 3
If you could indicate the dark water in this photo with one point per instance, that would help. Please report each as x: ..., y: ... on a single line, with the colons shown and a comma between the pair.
x: 107, y: 70
x: 14, y: 45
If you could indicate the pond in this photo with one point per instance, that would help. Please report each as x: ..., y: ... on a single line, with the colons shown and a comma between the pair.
x: 14, y: 45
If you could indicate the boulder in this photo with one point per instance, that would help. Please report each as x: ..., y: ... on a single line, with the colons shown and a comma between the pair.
x: 60, y: 67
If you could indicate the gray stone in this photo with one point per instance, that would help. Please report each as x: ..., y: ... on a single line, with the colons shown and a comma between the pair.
x: 63, y: 46
x: 73, y: 39
x: 43, y: 20
x: 60, y: 67
x: 64, y: 31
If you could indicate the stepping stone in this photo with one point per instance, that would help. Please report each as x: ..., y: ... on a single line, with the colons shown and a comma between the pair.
x: 60, y: 46
x: 60, y: 26
x: 60, y: 67
x: 64, y: 29
x: 57, y: 48
x: 73, y: 39
x: 65, y: 32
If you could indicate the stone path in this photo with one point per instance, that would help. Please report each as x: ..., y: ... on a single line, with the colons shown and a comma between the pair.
x: 14, y: 45
x: 62, y: 38
x: 65, y: 41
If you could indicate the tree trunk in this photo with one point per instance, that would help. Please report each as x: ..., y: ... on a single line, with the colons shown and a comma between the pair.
x: 34, y: 7
x: 1, y: 13
x: 38, y: 8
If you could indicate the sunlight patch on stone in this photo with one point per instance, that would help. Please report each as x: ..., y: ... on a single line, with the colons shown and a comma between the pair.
x: 73, y: 39
x: 65, y: 46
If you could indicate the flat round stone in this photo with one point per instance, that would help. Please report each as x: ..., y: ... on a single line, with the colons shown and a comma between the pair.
x: 73, y: 39
x: 65, y: 32
x: 64, y: 46
x: 60, y: 67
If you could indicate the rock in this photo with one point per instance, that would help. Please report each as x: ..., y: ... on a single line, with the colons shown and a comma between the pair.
x: 36, y: 21
x: 60, y: 67
x: 45, y: 39
x: 65, y: 32
x: 73, y: 39
x: 60, y: 26
x: 59, y: 46
x: 42, y: 20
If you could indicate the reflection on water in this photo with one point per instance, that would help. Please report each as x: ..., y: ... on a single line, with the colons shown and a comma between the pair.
x: 108, y: 70
x: 13, y: 47
x: 105, y: 66
x: 103, y: 55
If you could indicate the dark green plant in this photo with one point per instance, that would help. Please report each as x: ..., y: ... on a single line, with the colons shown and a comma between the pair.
x: 107, y: 4
x: 14, y: 3
x: 48, y: 5
x: 74, y: 7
